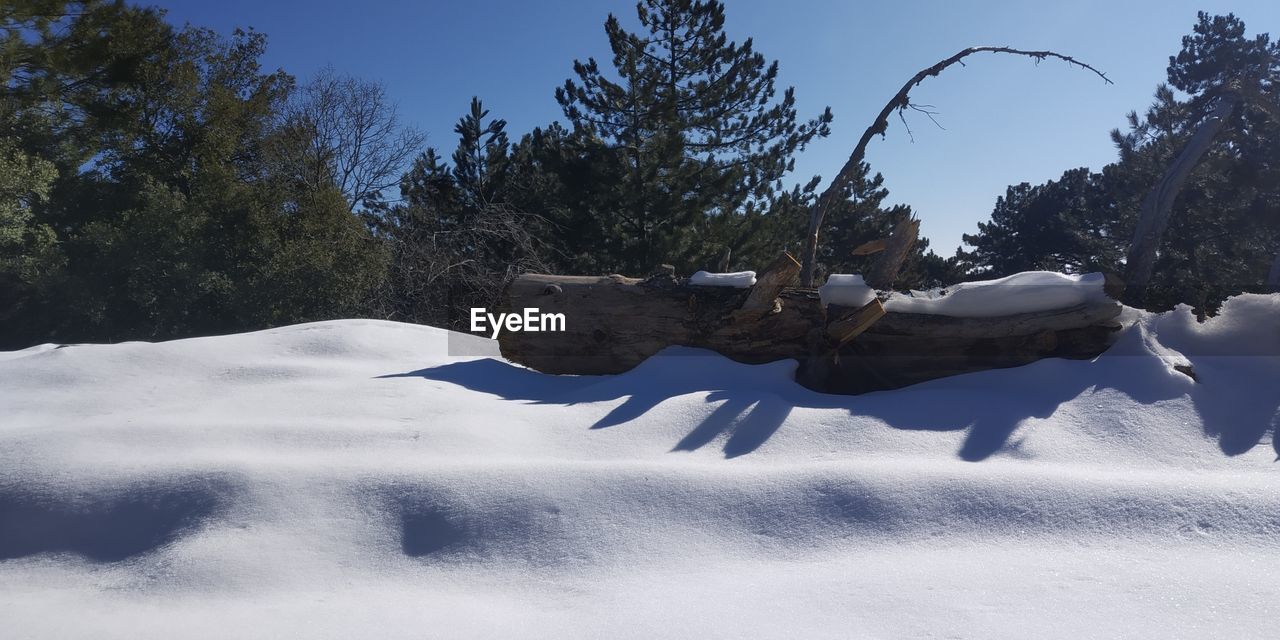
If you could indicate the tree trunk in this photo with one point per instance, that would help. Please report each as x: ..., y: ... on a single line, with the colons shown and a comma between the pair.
x: 779, y: 275
x: 1153, y: 218
x: 613, y: 323
x: 884, y: 271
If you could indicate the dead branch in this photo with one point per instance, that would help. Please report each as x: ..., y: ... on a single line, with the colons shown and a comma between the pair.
x: 900, y: 102
x: 884, y: 271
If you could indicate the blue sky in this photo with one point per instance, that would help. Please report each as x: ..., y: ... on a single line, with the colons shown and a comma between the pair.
x: 1006, y: 119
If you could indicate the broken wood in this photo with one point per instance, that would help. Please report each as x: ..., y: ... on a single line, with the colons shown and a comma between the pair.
x: 614, y: 323
x: 900, y: 102
x: 851, y: 324
x: 884, y: 271
x: 782, y: 273
x: 870, y: 247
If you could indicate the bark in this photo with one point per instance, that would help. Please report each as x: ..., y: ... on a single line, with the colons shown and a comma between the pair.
x: 614, y: 323
x: 871, y: 246
x: 854, y: 323
x: 839, y: 186
x: 1157, y: 207
x: 884, y: 271
x: 779, y: 275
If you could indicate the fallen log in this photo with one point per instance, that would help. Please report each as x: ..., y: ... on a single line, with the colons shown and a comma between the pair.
x: 614, y: 323
x: 906, y: 348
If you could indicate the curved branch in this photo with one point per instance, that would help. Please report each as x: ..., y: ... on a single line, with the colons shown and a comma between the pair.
x: 900, y: 102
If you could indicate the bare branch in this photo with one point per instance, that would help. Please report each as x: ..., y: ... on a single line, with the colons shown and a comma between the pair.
x: 899, y: 102
x: 345, y: 132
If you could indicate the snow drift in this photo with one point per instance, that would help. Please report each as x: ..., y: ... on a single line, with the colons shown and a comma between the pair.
x: 1026, y: 292
x: 846, y: 289
x: 350, y: 479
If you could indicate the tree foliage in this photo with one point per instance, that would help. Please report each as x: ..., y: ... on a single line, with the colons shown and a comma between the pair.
x: 156, y: 182
x: 167, y: 216
x: 688, y: 136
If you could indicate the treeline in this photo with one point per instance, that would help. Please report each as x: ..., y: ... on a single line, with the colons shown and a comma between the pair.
x: 157, y: 182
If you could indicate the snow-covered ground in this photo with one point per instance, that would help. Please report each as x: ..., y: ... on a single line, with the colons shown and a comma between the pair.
x: 352, y: 480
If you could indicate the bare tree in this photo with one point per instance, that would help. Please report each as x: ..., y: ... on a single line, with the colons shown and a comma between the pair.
x: 439, y: 271
x: 900, y: 102
x: 343, y: 131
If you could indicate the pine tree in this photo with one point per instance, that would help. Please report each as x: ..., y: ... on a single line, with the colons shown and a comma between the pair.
x: 689, y: 130
x: 458, y: 236
x: 861, y: 218
x: 480, y: 162
x: 182, y: 224
x: 1071, y: 225
x: 1224, y: 224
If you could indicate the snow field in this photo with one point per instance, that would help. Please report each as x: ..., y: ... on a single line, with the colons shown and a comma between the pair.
x: 351, y: 479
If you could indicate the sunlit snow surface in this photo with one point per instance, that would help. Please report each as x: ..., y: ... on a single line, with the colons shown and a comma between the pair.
x: 352, y: 480
x: 735, y: 280
x: 1026, y: 292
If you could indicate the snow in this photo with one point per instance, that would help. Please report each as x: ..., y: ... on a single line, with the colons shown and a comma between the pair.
x: 845, y: 289
x: 736, y: 280
x: 350, y: 479
x: 1027, y: 292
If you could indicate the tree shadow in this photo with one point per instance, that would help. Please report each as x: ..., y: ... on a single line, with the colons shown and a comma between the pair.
x: 105, y: 527
x: 1238, y: 392
x: 749, y: 423
x: 756, y: 400
x: 993, y: 404
x: 428, y: 530
x: 501, y: 378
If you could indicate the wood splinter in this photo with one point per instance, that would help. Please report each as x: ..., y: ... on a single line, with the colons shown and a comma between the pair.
x: 852, y: 323
x: 781, y: 274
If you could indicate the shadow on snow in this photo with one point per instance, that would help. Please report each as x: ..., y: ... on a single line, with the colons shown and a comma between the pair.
x: 104, y: 526
x: 755, y: 400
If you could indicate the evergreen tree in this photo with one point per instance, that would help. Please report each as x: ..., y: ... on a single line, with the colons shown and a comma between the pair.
x: 458, y: 238
x: 481, y: 158
x: 861, y: 218
x: 688, y: 131
x: 1225, y: 222
x: 1071, y: 225
x: 167, y: 216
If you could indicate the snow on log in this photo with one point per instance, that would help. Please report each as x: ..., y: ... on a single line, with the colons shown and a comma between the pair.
x: 1027, y: 292
x: 847, y: 290
x: 736, y: 280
